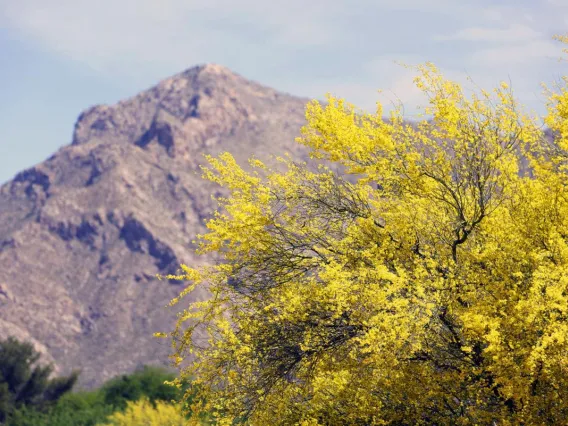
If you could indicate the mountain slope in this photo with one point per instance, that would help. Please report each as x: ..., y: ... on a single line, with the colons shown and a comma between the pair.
x: 83, y: 233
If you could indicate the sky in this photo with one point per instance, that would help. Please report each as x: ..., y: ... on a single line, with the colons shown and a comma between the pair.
x: 59, y: 57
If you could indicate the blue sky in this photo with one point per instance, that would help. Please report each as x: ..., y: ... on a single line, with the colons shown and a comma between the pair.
x: 59, y: 57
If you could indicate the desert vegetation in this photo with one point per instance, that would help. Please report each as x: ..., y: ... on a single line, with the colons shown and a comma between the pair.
x: 433, y: 290
x: 31, y: 398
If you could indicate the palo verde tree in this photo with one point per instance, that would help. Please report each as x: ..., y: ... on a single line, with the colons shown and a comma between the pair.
x: 433, y: 290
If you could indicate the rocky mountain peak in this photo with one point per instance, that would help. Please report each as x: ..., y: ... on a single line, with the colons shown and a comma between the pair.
x: 83, y: 233
x: 204, y: 100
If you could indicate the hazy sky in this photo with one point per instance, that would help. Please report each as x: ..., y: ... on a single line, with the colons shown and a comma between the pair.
x: 58, y: 57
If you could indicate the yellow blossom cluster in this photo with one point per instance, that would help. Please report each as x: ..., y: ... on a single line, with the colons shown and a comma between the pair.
x: 431, y: 289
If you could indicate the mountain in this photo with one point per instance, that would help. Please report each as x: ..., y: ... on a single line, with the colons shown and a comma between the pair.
x: 83, y: 234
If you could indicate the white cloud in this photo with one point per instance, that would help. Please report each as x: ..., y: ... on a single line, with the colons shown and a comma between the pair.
x: 391, y: 78
x: 558, y: 3
x: 120, y: 35
x: 507, y: 13
x: 127, y: 38
x: 445, y: 7
x: 514, y: 33
x: 529, y: 53
x: 112, y: 34
x: 493, y: 14
x: 396, y: 83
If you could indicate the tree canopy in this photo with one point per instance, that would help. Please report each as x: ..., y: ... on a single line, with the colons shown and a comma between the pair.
x: 25, y: 383
x: 433, y: 290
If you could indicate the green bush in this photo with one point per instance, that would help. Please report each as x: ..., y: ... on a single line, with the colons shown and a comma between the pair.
x: 28, y: 397
x: 78, y: 411
x: 148, y: 382
x: 24, y: 383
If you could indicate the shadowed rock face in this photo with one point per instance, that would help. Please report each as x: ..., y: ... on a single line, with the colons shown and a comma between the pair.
x: 83, y: 234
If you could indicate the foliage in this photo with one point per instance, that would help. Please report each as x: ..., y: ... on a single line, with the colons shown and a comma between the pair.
x: 86, y: 413
x: 434, y: 290
x: 89, y: 408
x: 148, y: 382
x: 23, y: 382
x: 143, y: 413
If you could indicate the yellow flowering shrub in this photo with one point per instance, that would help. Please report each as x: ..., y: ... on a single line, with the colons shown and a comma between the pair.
x: 433, y: 290
x: 143, y: 413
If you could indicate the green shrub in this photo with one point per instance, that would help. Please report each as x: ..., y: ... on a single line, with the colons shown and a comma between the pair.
x: 148, y: 382
x: 25, y: 383
x: 90, y: 408
x: 79, y: 411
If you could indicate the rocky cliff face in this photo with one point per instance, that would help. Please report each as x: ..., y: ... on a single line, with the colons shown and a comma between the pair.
x: 83, y: 233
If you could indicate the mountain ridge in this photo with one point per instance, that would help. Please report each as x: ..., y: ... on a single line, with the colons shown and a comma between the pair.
x: 83, y: 233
